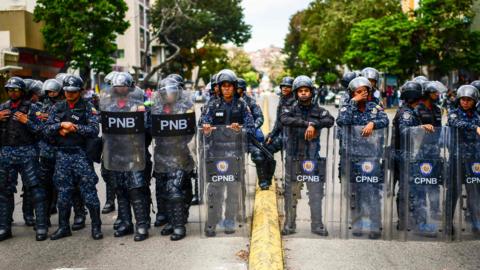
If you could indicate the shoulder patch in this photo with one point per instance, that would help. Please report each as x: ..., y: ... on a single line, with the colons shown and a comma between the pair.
x: 407, y: 115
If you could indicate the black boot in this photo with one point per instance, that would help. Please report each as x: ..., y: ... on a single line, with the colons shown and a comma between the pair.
x: 5, y: 217
x: 27, y: 207
x: 117, y: 223
x: 161, y: 216
x: 79, y: 211
x: 167, y: 230
x: 263, y: 182
x: 96, y: 222
x: 109, y: 179
x: 178, y: 215
x: 148, y: 198
x: 139, y: 205
x: 63, y: 224
x: 125, y: 226
x: 289, y: 225
x: 41, y: 213
x: 110, y: 203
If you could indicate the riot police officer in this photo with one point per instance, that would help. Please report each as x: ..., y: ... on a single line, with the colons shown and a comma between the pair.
x: 274, y: 140
x: 19, y: 128
x: 302, y: 122
x: 364, y: 199
x: 230, y: 111
x: 410, y: 92
x: 430, y: 113
x: 265, y: 166
x: 410, y: 193
x: 465, y: 151
x: 124, y: 152
x: 34, y: 90
x: 173, y: 160
x: 71, y: 122
x: 53, y: 92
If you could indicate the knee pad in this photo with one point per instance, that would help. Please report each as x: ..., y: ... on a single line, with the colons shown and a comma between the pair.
x: 257, y: 157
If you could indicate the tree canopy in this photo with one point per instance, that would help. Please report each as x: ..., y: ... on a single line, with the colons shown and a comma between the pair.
x: 82, y: 32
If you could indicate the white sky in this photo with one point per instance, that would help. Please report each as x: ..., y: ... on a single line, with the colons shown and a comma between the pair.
x: 269, y: 20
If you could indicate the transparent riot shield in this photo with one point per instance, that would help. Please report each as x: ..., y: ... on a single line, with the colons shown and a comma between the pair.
x: 123, y: 130
x: 306, y: 176
x: 465, y: 187
x: 225, y: 211
x: 173, y: 127
x: 364, y: 182
x: 423, y: 183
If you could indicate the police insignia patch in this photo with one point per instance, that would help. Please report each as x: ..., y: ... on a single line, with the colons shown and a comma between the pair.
x: 476, y: 168
x: 308, y: 166
x: 426, y: 168
x: 406, y: 115
x: 222, y: 166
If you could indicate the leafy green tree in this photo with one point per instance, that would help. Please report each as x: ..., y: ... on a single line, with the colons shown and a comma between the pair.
x: 239, y: 61
x: 319, y: 35
x: 445, y: 38
x: 183, y: 24
x: 384, y: 43
x: 252, y: 78
x: 82, y: 32
x: 210, y: 59
x: 329, y: 78
x: 293, y: 41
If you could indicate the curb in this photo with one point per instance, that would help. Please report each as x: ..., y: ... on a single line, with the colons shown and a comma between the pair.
x: 266, y: 243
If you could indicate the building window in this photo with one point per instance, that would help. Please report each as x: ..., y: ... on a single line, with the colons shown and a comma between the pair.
x: 141, y: 14
x: 120, y: 54
x: 142, y: 39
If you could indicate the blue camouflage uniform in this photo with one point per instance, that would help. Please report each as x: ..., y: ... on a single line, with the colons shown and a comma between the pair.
x: 72, y: 166
x: 19, y: 155
x: 295, y: 119
x: 417, y: 211
x: 466, y: 152
x: 365, y: 197
x: 219, y: 112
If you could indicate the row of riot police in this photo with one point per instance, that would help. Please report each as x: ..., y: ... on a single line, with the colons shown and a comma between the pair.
x: 54, y: 144
x: 421, y: 173
x: 26, y: 150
